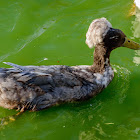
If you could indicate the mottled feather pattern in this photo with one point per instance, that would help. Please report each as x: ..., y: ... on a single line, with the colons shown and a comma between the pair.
x: 39, y: 87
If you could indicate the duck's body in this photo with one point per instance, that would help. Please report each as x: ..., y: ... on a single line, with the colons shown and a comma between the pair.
x: 39, y: 87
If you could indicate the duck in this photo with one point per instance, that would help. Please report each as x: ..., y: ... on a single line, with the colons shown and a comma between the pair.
x: 39, y: 87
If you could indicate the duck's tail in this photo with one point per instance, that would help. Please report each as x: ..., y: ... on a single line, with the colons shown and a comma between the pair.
x: 15, y: 66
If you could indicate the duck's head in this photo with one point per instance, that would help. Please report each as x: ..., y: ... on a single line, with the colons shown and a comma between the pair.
x: 100, y: 32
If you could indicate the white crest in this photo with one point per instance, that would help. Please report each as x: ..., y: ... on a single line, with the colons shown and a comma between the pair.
x: 96, y: 32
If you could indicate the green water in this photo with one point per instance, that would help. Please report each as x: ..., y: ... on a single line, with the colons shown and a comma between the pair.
x: 49, y: 32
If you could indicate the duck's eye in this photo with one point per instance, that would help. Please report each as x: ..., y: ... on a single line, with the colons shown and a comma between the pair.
x: 114, y: 37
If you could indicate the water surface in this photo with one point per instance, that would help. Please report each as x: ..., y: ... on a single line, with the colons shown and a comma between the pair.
x: 50, y: 32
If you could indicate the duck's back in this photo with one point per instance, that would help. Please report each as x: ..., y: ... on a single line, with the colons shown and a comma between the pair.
x: 38, y: 87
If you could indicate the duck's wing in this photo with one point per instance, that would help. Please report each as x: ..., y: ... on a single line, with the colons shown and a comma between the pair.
x: 42, y: 86
x: 55, y: 76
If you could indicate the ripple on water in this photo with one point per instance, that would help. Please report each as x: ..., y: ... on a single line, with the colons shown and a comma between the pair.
x: 22, y: 44
x: 121, y: 82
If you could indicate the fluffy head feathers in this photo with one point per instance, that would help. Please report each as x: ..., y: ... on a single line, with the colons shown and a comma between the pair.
x: 97, y: 31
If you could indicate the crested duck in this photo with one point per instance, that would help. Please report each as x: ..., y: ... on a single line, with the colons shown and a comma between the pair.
x: 38, y: 87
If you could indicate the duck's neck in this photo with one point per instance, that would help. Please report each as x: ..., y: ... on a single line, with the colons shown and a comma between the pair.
x: 101, y: 59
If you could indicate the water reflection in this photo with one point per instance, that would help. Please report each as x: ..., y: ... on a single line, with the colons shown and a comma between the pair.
x: 136, y: 23
x: 96, y: 132
x: 136, y: 59
x: 121, y: 130
x: 136, y: 32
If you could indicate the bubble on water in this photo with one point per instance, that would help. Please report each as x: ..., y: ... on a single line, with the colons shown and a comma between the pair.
x: 45, y: 58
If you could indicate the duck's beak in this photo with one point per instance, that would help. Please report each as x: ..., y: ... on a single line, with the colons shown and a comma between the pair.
x: 131, y: 44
